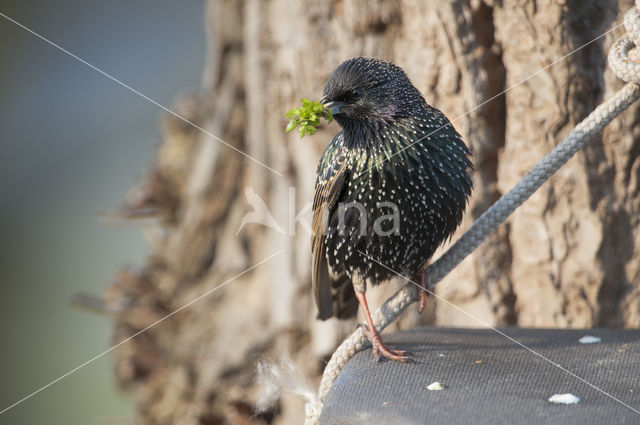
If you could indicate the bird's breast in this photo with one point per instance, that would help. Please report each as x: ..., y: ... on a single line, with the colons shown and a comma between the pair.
x: 403, y: 197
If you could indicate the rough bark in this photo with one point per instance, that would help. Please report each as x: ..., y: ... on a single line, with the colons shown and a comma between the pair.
x: 566, y: 258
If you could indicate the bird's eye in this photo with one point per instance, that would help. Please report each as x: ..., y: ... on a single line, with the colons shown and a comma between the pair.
x: 356, y: 94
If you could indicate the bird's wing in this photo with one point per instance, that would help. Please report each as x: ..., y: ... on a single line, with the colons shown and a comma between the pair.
x: 332, y: 173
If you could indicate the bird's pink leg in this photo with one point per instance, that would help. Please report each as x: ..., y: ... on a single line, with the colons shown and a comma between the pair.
x: 424, y: 288
x: 373, y: 336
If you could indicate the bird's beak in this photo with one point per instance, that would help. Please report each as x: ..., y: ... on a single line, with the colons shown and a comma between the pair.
x: 333, y: 105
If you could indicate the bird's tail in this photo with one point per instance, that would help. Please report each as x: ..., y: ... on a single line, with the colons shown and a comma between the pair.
x: 345, y: 303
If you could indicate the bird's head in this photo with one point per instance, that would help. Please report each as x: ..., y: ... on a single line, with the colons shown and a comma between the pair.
x: 369, y: 92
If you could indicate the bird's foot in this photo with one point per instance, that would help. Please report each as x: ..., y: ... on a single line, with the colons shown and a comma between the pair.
x: 379, y: 349
x: 372, y: 335
x: 424, y: 288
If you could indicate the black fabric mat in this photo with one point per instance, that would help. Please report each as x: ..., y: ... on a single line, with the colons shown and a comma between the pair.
x: 491, y: 380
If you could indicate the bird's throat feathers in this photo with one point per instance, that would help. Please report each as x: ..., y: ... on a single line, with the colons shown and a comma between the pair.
x: 384, y: 129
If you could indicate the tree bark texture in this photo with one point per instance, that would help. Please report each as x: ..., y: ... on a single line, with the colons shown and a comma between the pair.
x: 568, y: 257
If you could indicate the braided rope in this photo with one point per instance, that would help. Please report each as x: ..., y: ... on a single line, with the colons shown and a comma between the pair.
x: 626, y: 69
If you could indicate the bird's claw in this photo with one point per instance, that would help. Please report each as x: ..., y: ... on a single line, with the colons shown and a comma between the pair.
x: 381, y: 350
x: 395, y: 355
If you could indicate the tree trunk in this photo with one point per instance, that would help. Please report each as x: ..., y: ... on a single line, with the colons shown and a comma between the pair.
x: 566, y: 258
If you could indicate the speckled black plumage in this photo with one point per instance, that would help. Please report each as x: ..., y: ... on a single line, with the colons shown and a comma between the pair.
x: 393, y: 147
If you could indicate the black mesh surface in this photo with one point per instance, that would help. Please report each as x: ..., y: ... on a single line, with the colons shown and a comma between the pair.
x: 491, y: 380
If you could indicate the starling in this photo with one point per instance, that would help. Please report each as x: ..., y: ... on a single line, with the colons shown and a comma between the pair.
x: 391, y: 187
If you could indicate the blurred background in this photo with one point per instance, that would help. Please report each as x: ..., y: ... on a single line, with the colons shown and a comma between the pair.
x: 72, y: 143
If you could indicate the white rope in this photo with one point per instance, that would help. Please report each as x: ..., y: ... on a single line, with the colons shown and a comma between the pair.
x: 626, y: 69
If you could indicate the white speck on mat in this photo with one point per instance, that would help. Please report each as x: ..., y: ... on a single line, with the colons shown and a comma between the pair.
x: 589, y: 339
x: 435, y: 386
x: 440, y: 355
x: 564, y: 399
